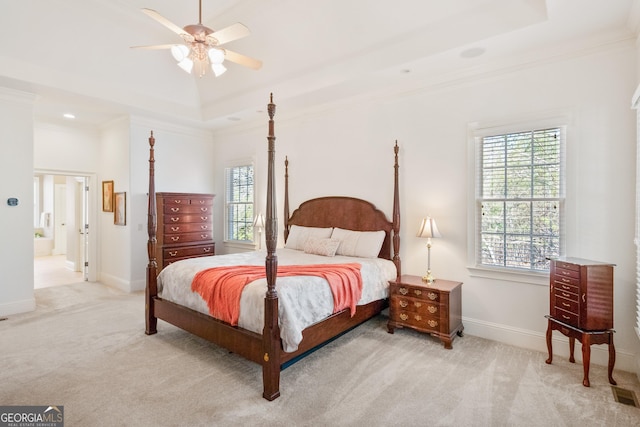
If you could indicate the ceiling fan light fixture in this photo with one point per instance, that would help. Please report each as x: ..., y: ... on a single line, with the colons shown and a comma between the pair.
x: 186, y: 64
x: 218, y: 69
x: 216, y: 56
x: 179, y: 52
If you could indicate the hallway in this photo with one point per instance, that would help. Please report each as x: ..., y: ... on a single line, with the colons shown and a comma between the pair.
x: 51, y: 271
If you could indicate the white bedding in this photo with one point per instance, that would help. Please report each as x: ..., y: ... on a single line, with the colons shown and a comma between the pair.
x: 302, y: 300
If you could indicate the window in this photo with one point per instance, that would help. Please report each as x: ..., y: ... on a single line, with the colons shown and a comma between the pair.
x: 239, y: 204
x: 519, y: 200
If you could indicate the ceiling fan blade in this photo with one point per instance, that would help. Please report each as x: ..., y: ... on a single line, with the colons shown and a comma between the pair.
x: 155, y: 46
x: 229, y: 34
x: 164, y: 21
x: 242, y: 59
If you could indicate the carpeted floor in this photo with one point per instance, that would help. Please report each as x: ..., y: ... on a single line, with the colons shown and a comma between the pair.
x: 85, y: 348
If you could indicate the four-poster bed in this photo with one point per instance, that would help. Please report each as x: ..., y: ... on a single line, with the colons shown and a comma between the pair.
x: 355, y: 222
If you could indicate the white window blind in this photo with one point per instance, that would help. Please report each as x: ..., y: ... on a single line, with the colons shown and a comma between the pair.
x: 239, y: 202
x: 519, y: 201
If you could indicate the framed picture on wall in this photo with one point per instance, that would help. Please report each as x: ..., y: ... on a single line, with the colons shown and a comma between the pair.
x: 107, y: 196
x: 120, y: 209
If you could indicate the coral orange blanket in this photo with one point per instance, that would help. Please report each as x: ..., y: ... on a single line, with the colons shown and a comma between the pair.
x: 221, y: 287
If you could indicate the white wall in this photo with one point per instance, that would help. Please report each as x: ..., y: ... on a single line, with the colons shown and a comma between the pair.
x: 348, y: 151
x: 183, y: 163
x: 16, y: 222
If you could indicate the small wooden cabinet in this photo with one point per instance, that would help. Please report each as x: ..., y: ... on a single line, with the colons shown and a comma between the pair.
x: 581, y: 307
x: 434, y: 308
x: 185, y: 227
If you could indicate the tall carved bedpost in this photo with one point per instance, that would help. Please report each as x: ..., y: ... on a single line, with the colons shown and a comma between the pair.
x: 151, y: 289
x: 271, y: 332
x: 396, y: 214
x: 286, y: 198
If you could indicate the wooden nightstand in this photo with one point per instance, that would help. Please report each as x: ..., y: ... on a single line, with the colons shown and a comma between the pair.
x: 434, y: 308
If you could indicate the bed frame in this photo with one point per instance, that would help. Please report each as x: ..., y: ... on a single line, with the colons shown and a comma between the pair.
x: 266, y: 349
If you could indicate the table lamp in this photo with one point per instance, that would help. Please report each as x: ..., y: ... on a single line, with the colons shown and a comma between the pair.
x: 428, y: 229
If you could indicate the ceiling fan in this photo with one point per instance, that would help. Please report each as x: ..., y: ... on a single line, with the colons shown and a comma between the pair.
x: 202, y: 45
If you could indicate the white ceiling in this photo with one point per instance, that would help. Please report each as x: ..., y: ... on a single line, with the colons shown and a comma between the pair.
x: 75, y: 56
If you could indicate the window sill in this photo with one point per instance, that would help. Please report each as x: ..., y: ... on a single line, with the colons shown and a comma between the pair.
x: 241, y: 246
x: 531, y: 278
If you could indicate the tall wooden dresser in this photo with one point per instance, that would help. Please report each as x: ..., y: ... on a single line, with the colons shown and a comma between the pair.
x: 581, y: 307
x: 185, y: 227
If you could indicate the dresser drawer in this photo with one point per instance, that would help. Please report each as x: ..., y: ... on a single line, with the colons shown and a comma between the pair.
x: 567, y: 317
x: 187, y: 209
x: 182, y: 218
x: 419, y: 320
x: 171, y: 239
x: 561, y: 286
x: 185, y: 199
x: 186, y: 252
x: 186, y: 227
x: 415, y: 292
x: 561, y: 293
x: 569, y: 305
x: 414, y: 305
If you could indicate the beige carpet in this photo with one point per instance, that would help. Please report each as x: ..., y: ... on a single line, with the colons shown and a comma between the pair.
x: 84, y: 348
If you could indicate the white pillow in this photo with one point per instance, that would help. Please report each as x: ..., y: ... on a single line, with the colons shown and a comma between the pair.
x: 363, y: 244
x: 324, y: 247
x: 298, y: 236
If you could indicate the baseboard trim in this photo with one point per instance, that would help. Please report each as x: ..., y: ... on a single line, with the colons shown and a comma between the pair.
x: 17, y: 307
x: 534, y: 340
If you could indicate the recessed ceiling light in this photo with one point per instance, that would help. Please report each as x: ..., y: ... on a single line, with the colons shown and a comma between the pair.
x: 472, y: 52
x: 69, y: 116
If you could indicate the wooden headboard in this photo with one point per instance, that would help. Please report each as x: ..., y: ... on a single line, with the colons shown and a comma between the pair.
x: 344, y: 212
x: 349, y: 213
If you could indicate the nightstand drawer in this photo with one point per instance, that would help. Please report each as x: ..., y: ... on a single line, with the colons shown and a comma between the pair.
x: 414, y: 305
x: 415, y: 292
x: 419, y: 320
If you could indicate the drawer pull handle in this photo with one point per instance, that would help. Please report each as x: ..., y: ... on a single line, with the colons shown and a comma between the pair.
x: 566, y: 273
x: 204, y: 218
x: 432, y: 296
x: 417, y: 291
x: 566, y: 317
x: 202, y: 202
x: 432, y: 309
x: 206, y: 250
x: 175, y: 218
x: 566, y: 305
x: 177, y: 201
x: 418, y: 317
x: 175, y: 228
x: 417, y: 304
x: 565, y: 287
x: 403, y: 316
x: 583, y: 298
x: 204, y: 236
x: 432, y: 323
x: 204, y: 209
x: 175, y: 238
x: 204, y: 227
x: 564, y: 294
x: 403, y: 291
x: 564, y: 279
x: 173, y: 253
x: 403, y: 304
x: 175, y: 209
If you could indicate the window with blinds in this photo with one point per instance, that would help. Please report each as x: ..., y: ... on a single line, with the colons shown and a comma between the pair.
x: 239, y: 203
x: 519, y: 200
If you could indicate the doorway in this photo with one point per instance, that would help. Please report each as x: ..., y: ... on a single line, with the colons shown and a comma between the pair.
x: 62, y: 241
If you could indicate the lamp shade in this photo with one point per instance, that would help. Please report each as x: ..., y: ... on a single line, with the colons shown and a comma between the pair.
x: 428, y: 228
x: 179, y: 52
x: 259, y: 221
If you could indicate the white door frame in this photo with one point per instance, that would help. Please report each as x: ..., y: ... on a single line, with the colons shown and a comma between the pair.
x: 91, y: 203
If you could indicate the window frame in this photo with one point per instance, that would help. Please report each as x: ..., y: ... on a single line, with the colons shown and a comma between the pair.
x: 477, y: 131
x: 247, y: 162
